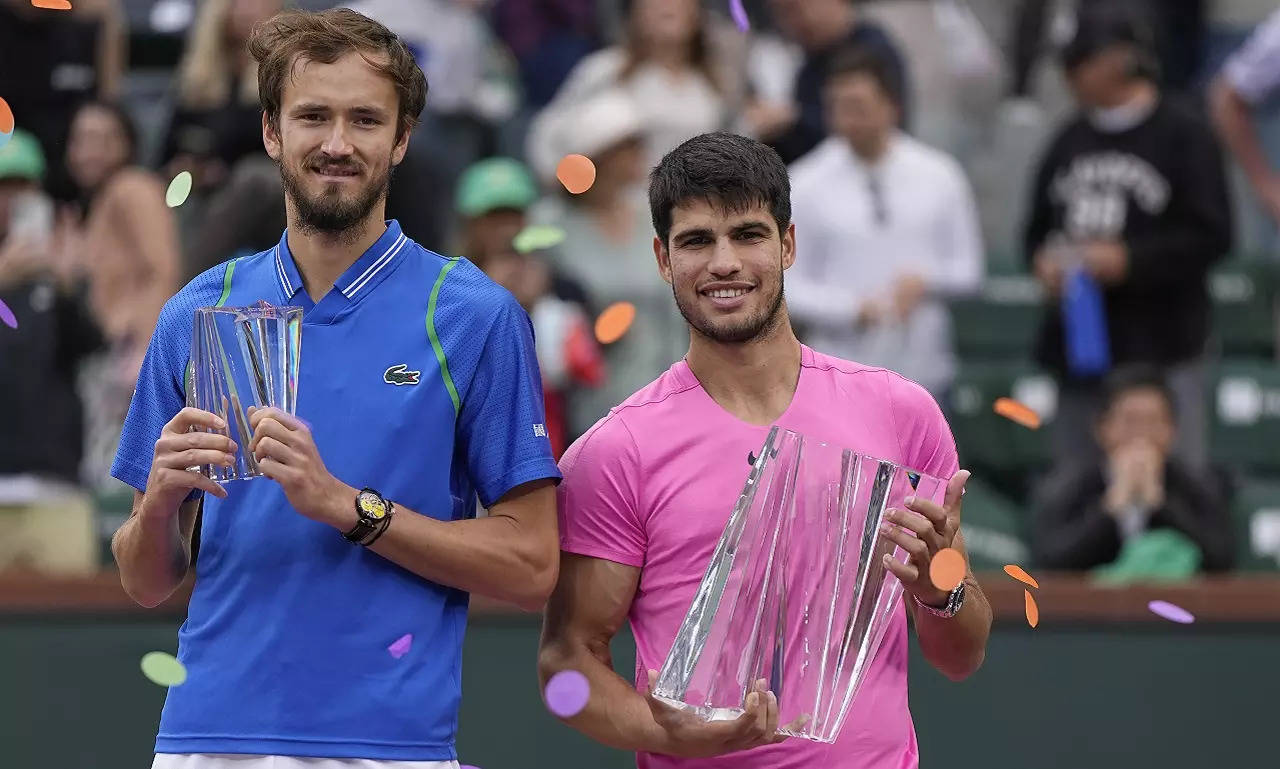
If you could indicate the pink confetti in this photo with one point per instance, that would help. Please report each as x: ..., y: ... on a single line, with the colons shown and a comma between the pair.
x: 401, y: 646
x: 7, y: 315
x: 567, y: 693
x: 739, y: 15
x: 1171, y: 612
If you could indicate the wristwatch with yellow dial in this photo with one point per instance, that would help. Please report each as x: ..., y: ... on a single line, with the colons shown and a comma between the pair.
x: 375, y: 513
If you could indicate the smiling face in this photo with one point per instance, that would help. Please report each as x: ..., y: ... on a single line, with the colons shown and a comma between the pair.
x: 336, y: 142
x: 725, y: 269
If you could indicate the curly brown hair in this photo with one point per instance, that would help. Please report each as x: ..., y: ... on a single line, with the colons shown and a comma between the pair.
x: 279, y: 43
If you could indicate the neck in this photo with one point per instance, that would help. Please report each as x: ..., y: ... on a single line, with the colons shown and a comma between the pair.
x: 872, y: 150
x: 322, y: 257
x: 670, y: 55
x: 1138, y: 93
x: 837, y: 29
x: 755, y: 381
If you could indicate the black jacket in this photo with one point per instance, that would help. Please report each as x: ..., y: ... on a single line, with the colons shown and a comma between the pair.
x: 1072, y: 531
x: 1161, y: 188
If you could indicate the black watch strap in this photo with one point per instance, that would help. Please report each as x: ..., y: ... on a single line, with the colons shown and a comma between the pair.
x: 372, y: 517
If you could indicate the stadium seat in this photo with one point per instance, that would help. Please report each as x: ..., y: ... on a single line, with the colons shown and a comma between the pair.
x: 993, y: 527
x: 1243, y: 292
x: 1001, y: 322
x: 1255, y: 511
x: 1245, y: 421
x: 989, y: 441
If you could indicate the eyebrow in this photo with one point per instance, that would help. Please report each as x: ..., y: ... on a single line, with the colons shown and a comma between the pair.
x: 317, y: 107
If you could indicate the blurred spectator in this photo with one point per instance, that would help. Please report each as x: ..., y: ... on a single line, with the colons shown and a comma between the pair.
x: 822, y: 28
x: 217, y: 119
x: 1250, y: 77
x: 1088, y: 511
x: 609, y: 248
x: 130, y: 244
x: 886, y: 229
x: 547, y: 38
x: 665, y: 66
x: 469, y: 95
x: 493, y: 201
x: 1129, y: 199
x: 52, y: 61
x: 45, y: 521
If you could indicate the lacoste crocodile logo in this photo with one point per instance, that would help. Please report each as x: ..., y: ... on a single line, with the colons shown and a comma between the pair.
x: 398, y: 375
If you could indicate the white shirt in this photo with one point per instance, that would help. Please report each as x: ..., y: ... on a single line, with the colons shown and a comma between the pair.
x: 1254, y: 70
x: 859, y: 228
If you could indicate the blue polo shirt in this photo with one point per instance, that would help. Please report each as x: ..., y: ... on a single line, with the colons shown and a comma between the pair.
x: 286, y: 637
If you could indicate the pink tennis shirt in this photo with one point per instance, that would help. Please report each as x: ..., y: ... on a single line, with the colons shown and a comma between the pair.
x: 652, y: 486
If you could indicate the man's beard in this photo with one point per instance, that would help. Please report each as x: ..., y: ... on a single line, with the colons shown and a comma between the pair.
x: 329, y: 213
x: 748, y: 330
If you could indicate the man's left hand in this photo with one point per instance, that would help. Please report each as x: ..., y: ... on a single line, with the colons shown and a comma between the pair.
x: 287, y: 454
x: 1106, y: 260
x: 934, y: 527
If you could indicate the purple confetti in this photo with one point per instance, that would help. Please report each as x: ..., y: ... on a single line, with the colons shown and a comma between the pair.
x: 401, y: 646
x: 739, y: 15
x: 7, y: 315
x: 567, y: 693
x: 1171, y: 612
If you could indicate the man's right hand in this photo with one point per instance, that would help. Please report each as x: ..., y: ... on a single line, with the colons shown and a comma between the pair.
x: 688, y: 736
x: 180, y: 448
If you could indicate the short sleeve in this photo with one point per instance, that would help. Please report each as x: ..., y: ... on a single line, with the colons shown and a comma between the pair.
x: 598, y: 499
x: 927, y: 443
x: 1253, y: 71
x: 502, y: 423
x: 157, y: 398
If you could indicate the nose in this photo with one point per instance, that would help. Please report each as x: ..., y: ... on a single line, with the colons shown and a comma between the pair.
x: 336, y: 144
x: 724, y: 260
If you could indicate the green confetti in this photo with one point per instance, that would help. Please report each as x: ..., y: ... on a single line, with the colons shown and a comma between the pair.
x: 178, y: 190
x: 538, y: 237
x: 163, y: 669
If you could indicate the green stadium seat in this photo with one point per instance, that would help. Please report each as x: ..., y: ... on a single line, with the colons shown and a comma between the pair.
x: 989, y: 441
x: 1001, y: 322
x: 1255, y: 511
x: 1245, y: 416
x: 1243, y: 292
x: 993, y: 527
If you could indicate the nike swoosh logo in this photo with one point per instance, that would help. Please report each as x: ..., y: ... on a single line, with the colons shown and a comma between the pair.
x: 751, y: 458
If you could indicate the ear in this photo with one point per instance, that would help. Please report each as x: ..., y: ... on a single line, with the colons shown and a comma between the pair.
x: 663, y: 256
x: 271, y: 138
x: 402, y: 146
x: 789, y: 246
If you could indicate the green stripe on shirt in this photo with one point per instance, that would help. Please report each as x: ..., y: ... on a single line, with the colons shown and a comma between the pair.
x: 435, y: 338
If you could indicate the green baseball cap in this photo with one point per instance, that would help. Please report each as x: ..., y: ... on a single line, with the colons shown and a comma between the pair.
x: 495, y: 183
x: 21, y: 158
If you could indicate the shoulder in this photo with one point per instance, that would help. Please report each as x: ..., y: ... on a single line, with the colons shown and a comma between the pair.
x: 1185, y: 117
x: 461, y: 289
x: 930, y: 159
x: 604, y: 64
x: 908, y: 401
x: 133, y: 185
x: 816, y: 164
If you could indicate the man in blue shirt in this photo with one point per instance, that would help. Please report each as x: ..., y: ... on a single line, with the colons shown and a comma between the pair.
x: 418, y: 384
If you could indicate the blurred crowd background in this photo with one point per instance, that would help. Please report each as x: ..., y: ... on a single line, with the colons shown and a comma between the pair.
x: 1072, y: 203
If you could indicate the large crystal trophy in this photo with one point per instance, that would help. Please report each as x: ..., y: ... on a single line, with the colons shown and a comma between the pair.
x: 243, y: 357
x: 797, y: 593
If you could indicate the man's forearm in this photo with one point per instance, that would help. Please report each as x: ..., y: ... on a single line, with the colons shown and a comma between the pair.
x: 1232, y: 117
x: 956, y: 646
x: 152, y: 554
x: 616, y: 714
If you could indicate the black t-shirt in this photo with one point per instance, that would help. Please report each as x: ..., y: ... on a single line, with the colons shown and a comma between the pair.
x: 1160, y: 187
x: 227, y: 133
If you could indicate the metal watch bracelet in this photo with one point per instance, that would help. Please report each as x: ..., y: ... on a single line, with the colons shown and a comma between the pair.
x: 954, y: 601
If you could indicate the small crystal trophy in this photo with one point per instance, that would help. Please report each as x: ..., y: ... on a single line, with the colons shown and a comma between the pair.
x: 243, y: 357
x: 796, y: 592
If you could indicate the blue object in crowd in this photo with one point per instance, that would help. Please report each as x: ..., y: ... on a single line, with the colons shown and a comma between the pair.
x: 1084, y: 323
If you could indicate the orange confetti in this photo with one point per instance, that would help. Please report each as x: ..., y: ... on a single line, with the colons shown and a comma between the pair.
x: 577, y: 173
x: 1017, y: 573
x: 614, y: 322
x: 1017, y: 412
x: 53, y: 5
x: 946, y: 570
x: 1033, y: 611
x: 6, y: 118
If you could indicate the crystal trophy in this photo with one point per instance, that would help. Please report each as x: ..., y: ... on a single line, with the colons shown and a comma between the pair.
x: 796, y: 593
x: 243, y: 357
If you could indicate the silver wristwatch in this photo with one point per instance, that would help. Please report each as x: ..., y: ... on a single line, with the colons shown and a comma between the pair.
x: 954, y: 601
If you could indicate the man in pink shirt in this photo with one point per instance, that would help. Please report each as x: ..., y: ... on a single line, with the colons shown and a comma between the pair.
x: 648, y: 490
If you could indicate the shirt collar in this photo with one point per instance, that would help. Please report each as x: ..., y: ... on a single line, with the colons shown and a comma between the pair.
x: 358, y: 277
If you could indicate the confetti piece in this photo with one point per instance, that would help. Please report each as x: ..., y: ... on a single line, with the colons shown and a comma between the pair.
x: 567, y: 693
x: 538, y: 237
x: 6, y: 118
x: 577, y: 173
x: 163, y: 669
x: 1012, y: 410
x: 53, y: 5
x: 614, y: 322
x: 1171, y: 612
x: 1033, y: 611
x: 946, y: 570
x: 1017, y: 573
x: 178, y: 190
x: 7, y: 315
x: 739, y: 15
x: 401, y: 645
